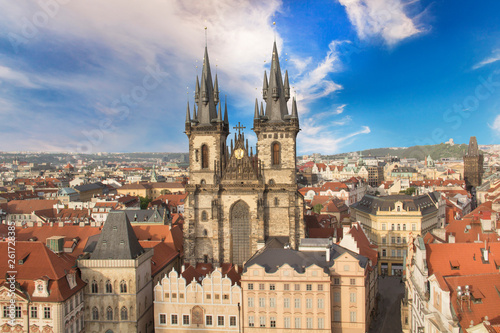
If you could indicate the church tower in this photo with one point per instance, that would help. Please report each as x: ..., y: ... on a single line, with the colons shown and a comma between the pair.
x: 238, y: 200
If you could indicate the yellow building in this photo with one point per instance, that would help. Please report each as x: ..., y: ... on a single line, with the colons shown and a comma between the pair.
x: 389, y: 221
x: 320, y: 288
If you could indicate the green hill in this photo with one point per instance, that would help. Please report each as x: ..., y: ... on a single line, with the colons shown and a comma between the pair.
x: 442, y: 150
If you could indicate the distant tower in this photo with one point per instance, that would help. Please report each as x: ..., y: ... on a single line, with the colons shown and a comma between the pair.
x: 473, y: 165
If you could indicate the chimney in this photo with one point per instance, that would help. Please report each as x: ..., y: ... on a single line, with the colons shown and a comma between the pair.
x: 183, y: 268
x: 327, y: 254
x: 451, y: 238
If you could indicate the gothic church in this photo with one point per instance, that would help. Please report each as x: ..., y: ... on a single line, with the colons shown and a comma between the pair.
x: 238, y: 199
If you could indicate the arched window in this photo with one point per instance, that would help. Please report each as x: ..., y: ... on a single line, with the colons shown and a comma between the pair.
x: 276, y: 201
x: 123, y: 286
x: 204, y: 156
x: 271, y: 182
x: 94, y: 287
x: 205, y: 232
x: 109, y: 313
x: 124, y: 313
x: 109, y: 287
x: 95, y: 313
x: 204, y: 216
x: 276, y: 153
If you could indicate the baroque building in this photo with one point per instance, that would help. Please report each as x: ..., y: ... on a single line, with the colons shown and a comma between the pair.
x: 238, y: 200
x: 473, y: 165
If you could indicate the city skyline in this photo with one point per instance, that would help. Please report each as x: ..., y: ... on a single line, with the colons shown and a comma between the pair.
x: 84, y: 78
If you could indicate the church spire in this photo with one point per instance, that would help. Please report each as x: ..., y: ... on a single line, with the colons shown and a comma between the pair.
x: 207, y: 108
x: 256, y: 114
x: 275, y: 95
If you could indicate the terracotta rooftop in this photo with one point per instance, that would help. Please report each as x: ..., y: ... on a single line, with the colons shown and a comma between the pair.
x: 40, y: 262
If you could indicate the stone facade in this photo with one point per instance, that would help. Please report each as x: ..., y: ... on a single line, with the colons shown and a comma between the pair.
x: 238, y: 200
x: 131, y: 286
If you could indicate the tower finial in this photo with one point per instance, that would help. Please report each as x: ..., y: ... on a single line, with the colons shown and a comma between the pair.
x: 206, y: 39
x: 274, y: 25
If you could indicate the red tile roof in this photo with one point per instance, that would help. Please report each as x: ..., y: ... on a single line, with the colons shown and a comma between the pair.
x: 40, y: 262
x: 28, y: 206
x: 468, y: 255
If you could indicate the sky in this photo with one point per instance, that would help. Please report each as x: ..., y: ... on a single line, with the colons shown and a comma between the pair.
x: 116, y: 76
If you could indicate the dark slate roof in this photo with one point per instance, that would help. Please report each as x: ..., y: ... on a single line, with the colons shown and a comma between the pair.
x: 117, y: 239
x: 371, y: 204
x: 154, y: 215
x: 89, y: 187
x: 273, y: 258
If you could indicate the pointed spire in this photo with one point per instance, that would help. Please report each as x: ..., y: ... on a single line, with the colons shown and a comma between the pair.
x: 256, y: 115
x: 287, y: 87
x: 216, y: 91
x: 226, y: 121
x: 276, y: 108
x: 195, y: 114
x: 188, y: 116
x: 207, y: 109
x: 294, y: 108
x: 265, y: 86
x: 262, y: 108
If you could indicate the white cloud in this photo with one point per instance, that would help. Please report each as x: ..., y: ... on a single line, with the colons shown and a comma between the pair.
x: 16, y: 78
x: 316, y: 84
x: 489, y: 60
x: 324, y: 141
x: 385, y: 18
x: 496, y: 125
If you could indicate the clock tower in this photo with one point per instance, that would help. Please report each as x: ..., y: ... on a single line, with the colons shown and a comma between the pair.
x: 238, y: 198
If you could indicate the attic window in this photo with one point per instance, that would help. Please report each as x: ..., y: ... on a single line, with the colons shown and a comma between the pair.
x: 122, y: 242
x: 455, y: 265
x: 115, y: 228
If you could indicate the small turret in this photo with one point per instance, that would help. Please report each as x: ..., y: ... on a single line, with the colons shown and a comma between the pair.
x: 216, y: 91
x: 256, y: 114
x: 188, y: 116
x: 197, y: 91
x: 287, y: 87
x: 265, y: 86
x: 226, y: 121
x: 294, y: 108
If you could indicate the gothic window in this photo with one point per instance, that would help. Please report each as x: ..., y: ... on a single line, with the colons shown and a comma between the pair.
x: 271, y: 182
x: 276, y: 202
x: 123, y: 286
x: 94, y: 287
x: 95, y: 313
x: 109, y: 288
x: 204, y: 156
x: 203, y: 182
x: 276, y: 153
x: 205, y: 232
x: 240, y: 236
x: 124, y: 313
x: 109, y: 313
x: 204, y: 216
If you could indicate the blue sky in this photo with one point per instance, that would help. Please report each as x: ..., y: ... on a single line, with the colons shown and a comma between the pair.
x: 116, y: 76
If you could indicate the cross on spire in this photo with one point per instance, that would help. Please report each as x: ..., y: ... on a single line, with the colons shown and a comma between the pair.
x: 239, y: 127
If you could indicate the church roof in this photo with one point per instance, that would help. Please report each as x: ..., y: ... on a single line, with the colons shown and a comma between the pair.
x: 117, y: 239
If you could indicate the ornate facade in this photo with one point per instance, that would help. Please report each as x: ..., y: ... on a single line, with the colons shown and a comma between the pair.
x: 238, y: 200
